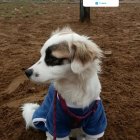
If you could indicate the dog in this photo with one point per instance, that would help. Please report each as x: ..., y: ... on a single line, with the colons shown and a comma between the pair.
x: 71, y: 62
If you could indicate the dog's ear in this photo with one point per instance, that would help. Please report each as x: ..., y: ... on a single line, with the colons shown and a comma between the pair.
x: 83, y: 55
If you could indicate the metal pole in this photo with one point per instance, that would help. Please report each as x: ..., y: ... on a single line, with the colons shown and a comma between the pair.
x: 84, y: 12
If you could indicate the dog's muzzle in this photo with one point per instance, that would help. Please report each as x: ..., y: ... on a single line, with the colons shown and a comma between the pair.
x: 29, y: 72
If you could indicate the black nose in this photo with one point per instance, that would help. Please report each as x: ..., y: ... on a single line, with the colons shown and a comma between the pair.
x: 29, y: 72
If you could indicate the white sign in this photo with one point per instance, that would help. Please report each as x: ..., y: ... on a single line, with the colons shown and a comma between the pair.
x: 100, y: 3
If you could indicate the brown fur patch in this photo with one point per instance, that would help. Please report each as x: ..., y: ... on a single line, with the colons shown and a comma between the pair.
x: 61, y: 50
x: 82, y: 53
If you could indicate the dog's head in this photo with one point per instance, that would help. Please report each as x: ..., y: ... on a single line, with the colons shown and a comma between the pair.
x: 64, y: 53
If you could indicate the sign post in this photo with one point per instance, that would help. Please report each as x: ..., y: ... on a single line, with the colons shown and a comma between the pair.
x: 86, y: 4
x: 84, y: 12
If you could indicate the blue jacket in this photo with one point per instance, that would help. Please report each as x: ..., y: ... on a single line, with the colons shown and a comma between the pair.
x: 43, y: 117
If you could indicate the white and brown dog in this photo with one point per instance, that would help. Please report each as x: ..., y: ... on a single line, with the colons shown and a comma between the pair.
x: 72, y: 63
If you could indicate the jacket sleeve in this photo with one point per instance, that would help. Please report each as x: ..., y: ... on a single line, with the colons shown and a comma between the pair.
x: 40, y: 115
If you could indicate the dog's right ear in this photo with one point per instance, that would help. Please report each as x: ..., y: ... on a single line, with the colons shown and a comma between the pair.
x: 82, y: 56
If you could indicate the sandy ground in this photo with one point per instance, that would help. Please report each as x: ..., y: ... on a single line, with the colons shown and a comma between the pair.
x: 23, y: 30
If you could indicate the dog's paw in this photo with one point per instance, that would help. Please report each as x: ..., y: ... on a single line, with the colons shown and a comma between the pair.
x: 28, y: 110
x: 80, y: 138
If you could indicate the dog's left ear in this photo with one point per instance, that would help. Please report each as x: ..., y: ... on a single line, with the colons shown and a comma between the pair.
x: 83, y: 55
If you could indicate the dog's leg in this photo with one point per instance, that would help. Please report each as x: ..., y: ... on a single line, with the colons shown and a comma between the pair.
x: 27, y: 112
x: 94, y: 137
x: 87, y: 138
x: 80, y: 138
x: 50, y: 137
x: 90, y: 138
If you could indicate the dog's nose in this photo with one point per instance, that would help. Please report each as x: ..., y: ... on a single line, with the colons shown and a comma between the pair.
x: 29, y: 72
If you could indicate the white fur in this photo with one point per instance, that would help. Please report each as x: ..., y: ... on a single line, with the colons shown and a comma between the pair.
x: 78, y: 88
x: 50, y: 137
x: 28, y: 110
x: 69, y: 38
x: 74, y: 89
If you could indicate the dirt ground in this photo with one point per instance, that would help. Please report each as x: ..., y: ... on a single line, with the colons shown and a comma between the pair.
x: 23, y: 30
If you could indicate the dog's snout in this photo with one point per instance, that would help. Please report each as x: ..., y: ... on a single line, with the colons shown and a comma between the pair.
x: 29, y: 72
